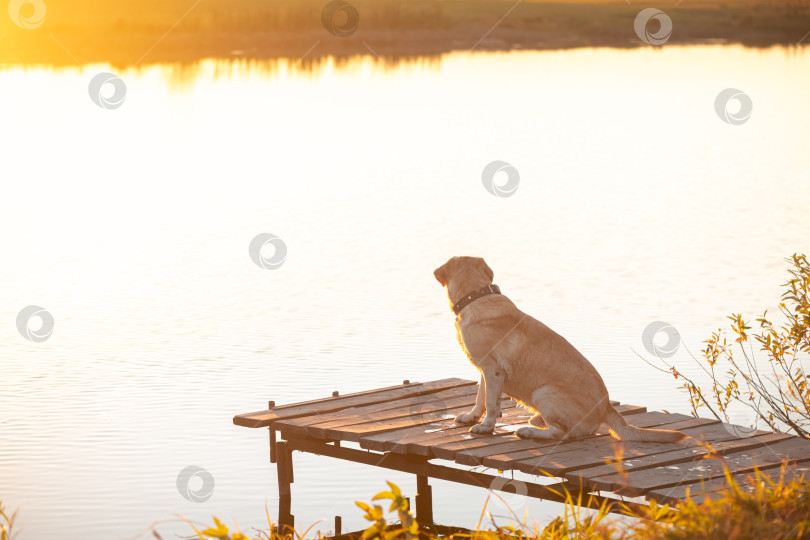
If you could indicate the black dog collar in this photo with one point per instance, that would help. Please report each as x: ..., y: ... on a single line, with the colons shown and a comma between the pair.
x: 475, y: 295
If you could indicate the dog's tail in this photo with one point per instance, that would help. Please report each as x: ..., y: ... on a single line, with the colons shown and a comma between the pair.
x: 620, y: 429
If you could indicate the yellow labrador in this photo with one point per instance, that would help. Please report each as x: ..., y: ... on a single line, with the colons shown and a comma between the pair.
x: 522, y: 357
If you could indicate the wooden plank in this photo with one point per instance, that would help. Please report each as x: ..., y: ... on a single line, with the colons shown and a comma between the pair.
x: 389, y: 409
x: 712, y: 488
x: 511, y: 414
x: 593, y: 451
x: 679, y: 493
x: 799, y: 472
x: 268, y: 417
x: 636, y: 483
x: 700, y: 498
x: 388, y: 440
x: 353, y: 433
x: 308, y: 426
x: 690, y: 452
x: 748, y: 483
x: 510, y: 458
x: 474, y: 455
x: 426, y: 444
x: 449, y: 447
x: 504, y: 453
x: 421, y: 440
x: 608, y: 450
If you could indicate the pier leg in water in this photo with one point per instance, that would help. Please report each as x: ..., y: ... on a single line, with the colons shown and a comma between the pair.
x: 284, y: 467
x: 424, y: 501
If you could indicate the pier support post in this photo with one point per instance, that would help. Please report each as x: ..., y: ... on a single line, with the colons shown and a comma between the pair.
x: 424, y: 501
x: 284, y: 467
x: 271, y: 405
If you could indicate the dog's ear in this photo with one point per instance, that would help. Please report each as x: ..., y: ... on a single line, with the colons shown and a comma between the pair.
x: 441, y: 274
x: 487, y: 270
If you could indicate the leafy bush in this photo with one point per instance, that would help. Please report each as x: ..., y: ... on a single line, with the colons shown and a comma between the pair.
x: 769, y: 509
x: 6, y: 522
x: 777, y: 393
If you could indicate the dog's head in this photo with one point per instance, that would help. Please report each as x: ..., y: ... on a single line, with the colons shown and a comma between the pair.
x: 464, y: 271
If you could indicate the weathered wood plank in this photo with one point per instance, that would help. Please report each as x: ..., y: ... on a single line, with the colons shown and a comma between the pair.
x: 636, y: 483
x: 409, y: 406
x: 411, y: 403
x: 326, y: 405
x: 473, y: 455
x: 679, y: 493
x: 353, y: 433
x: 422, y: 446
x: 690, y: 452
x: 332, y: 429
x: 389, y: 440
x: 710, y: 489
x: 576, y: 454
x: 799, y: 472
x: 423, y: 442
x: 605, y: 450
x: 448, y: 448
x: 511, y: 416
x: 748, y: 482
x: 534, y: 448
x: 700, y: 498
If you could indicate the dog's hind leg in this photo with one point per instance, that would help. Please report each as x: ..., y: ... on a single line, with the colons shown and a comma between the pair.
x: 553, y: 433
x: 537, y: 421
x: 556, y: 413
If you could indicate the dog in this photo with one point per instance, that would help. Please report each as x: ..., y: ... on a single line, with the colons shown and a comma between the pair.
x: 520, y: 356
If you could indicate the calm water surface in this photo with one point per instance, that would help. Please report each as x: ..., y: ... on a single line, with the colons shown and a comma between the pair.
x: 131, y: 226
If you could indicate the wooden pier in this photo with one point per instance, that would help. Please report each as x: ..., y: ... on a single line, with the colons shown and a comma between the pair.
x: 410, y: 428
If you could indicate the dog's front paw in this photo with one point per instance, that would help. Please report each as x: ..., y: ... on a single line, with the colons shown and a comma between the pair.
x: 466, y: 418
x: 482, y: 429
x: 525, y: 433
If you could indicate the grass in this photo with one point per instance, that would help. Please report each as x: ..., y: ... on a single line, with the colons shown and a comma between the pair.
x: 768, y: 509
x: 146, y: 31
x: 6, y: 523
x: 756, y: 508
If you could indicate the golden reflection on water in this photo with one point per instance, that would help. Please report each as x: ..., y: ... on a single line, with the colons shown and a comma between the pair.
x: 183, y: 75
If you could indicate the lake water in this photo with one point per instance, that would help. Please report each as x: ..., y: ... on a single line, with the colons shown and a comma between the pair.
x: 131, y: 227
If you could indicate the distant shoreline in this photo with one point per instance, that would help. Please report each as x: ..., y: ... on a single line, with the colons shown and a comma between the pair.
x: 144, y: 37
